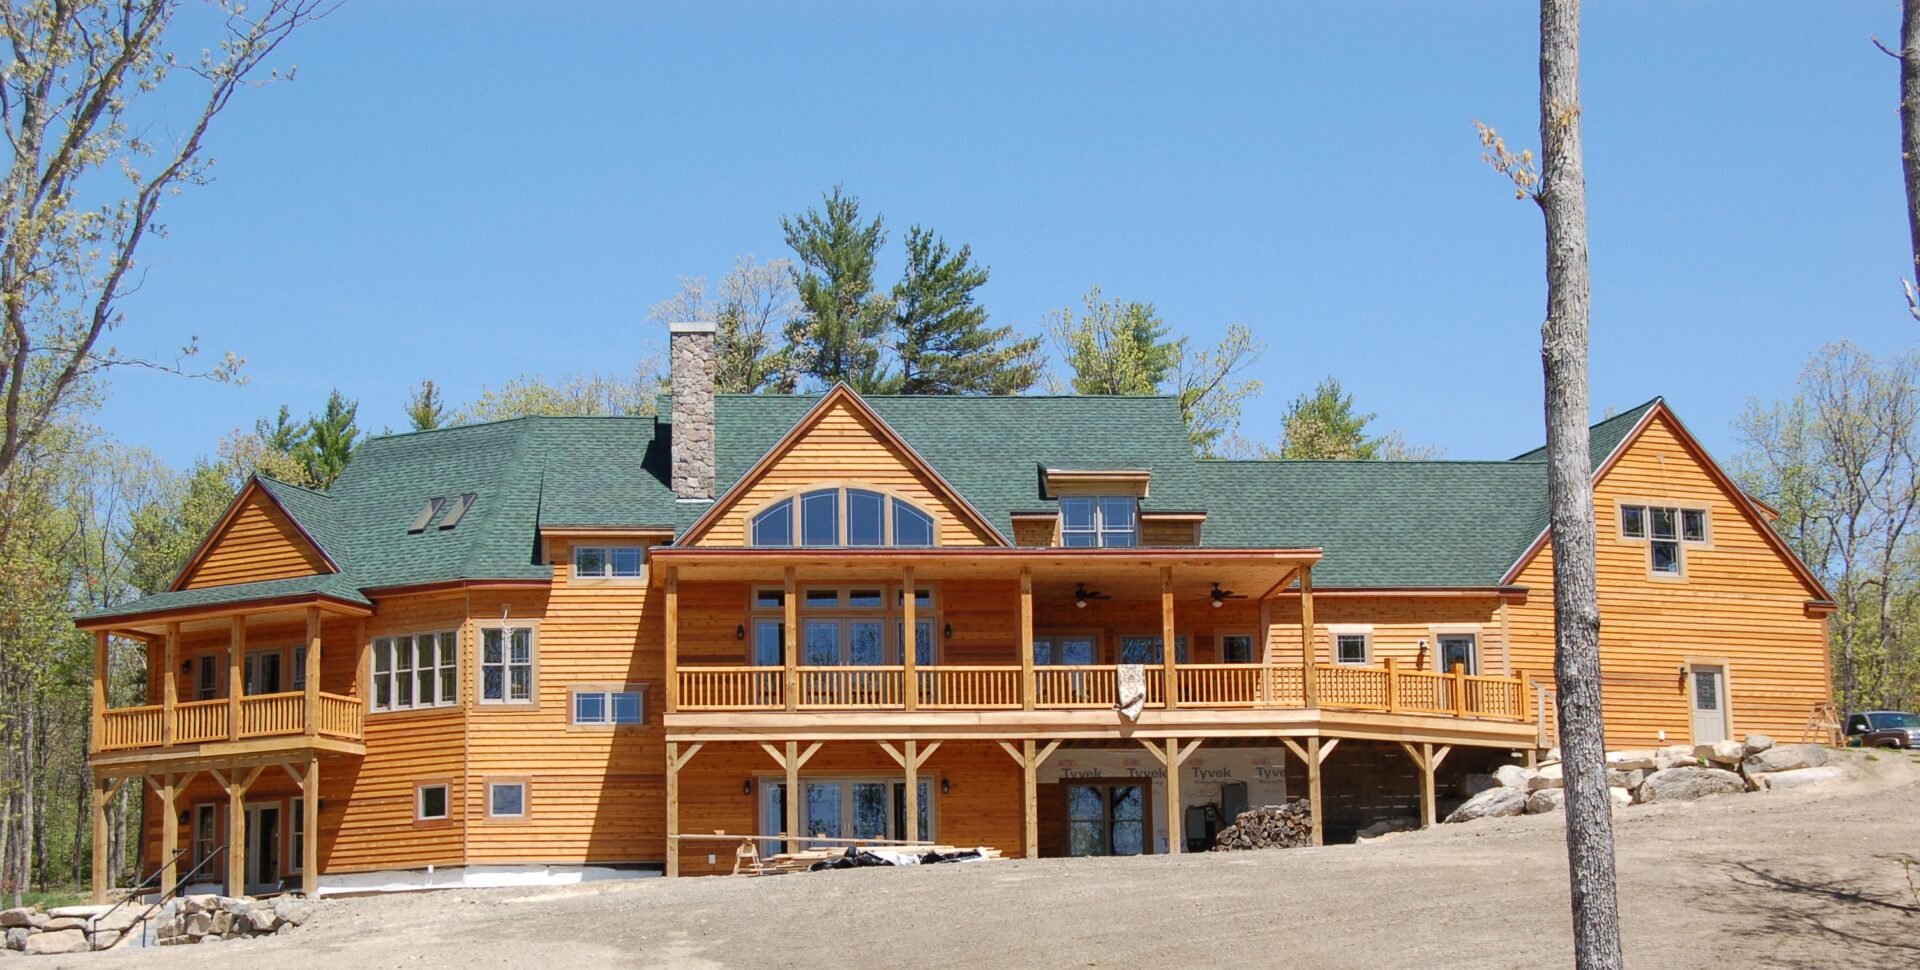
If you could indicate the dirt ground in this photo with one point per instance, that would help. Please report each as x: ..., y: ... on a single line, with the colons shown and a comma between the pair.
x: 1807, y: 878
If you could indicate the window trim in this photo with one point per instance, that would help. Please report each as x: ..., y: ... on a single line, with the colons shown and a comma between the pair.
x: 1335, y: 631
x: 1099, y: 529
x: 373, y: 672
x: 1220, y: 646
x: 296, y: 822
x: 607, y: 690
x: 213, y: 841
x: 526, y: 797
x: 1680, y: 542
x: 1180, y: 637
x: 420, y: 802
x: 891, y: 614
x: 794, y: 499
x: 763, y: 798
x: 480, y: 699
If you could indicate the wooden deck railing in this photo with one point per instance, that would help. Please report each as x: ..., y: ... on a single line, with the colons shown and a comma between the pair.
x: 200, y: 722
x: 1386, y: 689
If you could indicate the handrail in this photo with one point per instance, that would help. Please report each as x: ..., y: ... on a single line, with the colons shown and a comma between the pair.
x: 132, y: 891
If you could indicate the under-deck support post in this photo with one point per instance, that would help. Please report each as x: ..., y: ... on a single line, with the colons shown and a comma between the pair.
x: 169, y: 832
x: 909, y: 653
x: 794, y: 794
x: 1027, y: 686
x: 1313, y: 791
x: 912, y: 767
x: 1428, y: 761
x: 790, y: 650
x: 310, y: 829
x: 1030, y: 761
x: 170, y: 685
x: 1176, y: 818
x: 1308, y: 676
x: 1169, y: 653
x: 236, y: 839
x: 102, y: 789
x: 311, y: 701
x: 673, y: 640
x: 675, y: 762
x: 236, y: 649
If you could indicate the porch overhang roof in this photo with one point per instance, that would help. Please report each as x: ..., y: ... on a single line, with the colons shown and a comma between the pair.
x: 1130, y: 572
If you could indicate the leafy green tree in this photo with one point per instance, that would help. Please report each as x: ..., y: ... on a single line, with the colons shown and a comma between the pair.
x: 940, y: 333
x: 574, y: 395
x: 843, y: 319
x: 758, y: 318
x: 1325, y: 425
x: 330, y: 441
x: 426, y: 409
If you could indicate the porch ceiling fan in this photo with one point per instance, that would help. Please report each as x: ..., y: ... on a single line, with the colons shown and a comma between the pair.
x: 1220, y: 596
x: 1081, y: 594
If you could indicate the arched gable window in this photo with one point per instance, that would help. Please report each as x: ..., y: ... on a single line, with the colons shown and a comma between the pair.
x: 842, y: 517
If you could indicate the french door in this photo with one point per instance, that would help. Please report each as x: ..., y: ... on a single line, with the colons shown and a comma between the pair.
x: 1106, y: 819
x: 849, y: 808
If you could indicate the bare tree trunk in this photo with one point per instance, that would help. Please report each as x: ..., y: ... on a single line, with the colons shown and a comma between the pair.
x: 1910, y: 129
x: 1563, y: 351
x: 29, y: 791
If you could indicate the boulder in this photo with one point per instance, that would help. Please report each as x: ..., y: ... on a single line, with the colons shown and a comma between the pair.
x: 17, y: 937
x: 293, y: 909
x: 55, y: 924
x: 1546, y: 800
x: 1625, y: 779
x: 261, y: 920
x: 1757, y: 743
x: 1552, y: 756
x: 58, y: 941
x: 198, y: 924
x: 1549, y: 776
x: 222, y: 923
x: 82, y: 911
x: 1475, y: 783
x: 1512, y: 776
x: 1727, y: 753
x: 1621, y: 797
x: 120, y: 920
x: 1786, y: 758
x: 1688, y: 784
x: 1675, y: 756
x: 198, y: 903
x: 105, y: 939
x: 1492, y: 803
x: 1638, y: 759
x: 16, y: 917
x: 1798, y: 777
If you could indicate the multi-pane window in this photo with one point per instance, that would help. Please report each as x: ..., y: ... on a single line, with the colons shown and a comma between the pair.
x: 294, y: 857
x: 1106, y: 820
x: 430, y: 802
x: 1236, y: 648
x: 606, y: 707
x: 846, y: 626
x: 416, y: 670
x: 205, y: 832
x: 842, y: 517
x: 613, y: 562
x: 207, y: 684
x: 1350, y: 648
x: 860, y: 808
x: 507, y: 799
x: 506, y: 665
x: 1146, y: 650
x: 1665, y: 529
x: 1088, y: 521
x: 299, y: 668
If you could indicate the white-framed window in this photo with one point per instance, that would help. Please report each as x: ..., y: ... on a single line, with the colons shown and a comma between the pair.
x: 506, y: 665
x: 1666, y: 529
x: 608, y: 706
x: 1459, y: 649
x: 1088, y: 521
x: 856, y: 625
x: 431, y: 803
x: 299, y: 835
x: 416, y: 670
x: 842, y: 516
x: 609, y: 562
x: 1237, y: 648
x: 1352, y: 648
x: 506, y: 799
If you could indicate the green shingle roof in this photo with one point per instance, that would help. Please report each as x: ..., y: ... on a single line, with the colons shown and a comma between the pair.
x: 1418, y: 523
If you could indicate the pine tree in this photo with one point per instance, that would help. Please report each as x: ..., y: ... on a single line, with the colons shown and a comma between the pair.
x: 843, y: 319
x: 1115, y: 347
x: 1323, y: 425
x: 425, y: 408
x: 330, y: 441
x: 940, y: 334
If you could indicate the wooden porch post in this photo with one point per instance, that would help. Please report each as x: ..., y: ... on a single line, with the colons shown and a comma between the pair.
x: 311, y: 702
x: 1266, y: 654
x: 909, y: 659
x: 673, y: 797
x: 791, y: 649
x: 169, y: 832
x: 912, y: 767
x: 170, y: 685
x: 1459, y: 675
x: 673, y: 658
x: 1030, y: 761
x: 1308, y: 676
x: 1312, y: 754
x: 1393, y: 686
x: 101, y: 795
x: 1169, y: 652
x: 310, y: 826
x: 236, y: 648
x: 1172, y: 758
x: 794, y: 794
x: 1027, y: 686
x: 236, y: 838
x: 95, y: 733
x: 363, y: 667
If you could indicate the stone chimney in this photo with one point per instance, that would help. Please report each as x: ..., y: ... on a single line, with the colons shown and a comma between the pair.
x: 691, y: 362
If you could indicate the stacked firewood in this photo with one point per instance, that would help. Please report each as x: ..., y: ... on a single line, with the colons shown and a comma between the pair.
x: 1268, y: 827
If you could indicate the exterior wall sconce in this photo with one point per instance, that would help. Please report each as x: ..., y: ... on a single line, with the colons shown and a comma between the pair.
x: 948, y: 632
x: 740, y: 631
x: 746, y: 787
x: 946, y: 787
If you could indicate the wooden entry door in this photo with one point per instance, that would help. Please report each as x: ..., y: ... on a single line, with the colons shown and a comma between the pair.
x: 263, y: 848
x: 1709, y: 690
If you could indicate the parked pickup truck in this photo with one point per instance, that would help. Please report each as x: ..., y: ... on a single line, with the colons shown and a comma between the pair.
x: 1883, y: 729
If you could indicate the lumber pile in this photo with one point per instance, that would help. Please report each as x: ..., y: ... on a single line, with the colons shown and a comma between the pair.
x: 1268, y: 827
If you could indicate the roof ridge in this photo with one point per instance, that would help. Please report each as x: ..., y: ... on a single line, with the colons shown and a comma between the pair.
x: 310, y: 490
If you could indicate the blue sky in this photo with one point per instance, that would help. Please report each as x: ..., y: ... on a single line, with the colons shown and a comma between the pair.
x: 469, y: 191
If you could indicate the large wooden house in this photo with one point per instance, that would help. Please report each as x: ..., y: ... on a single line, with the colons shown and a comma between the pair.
x: 522, y: 649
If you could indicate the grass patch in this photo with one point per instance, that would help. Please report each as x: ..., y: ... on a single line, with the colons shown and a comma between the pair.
x: 55, y: 897
x: 1873, y: 757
